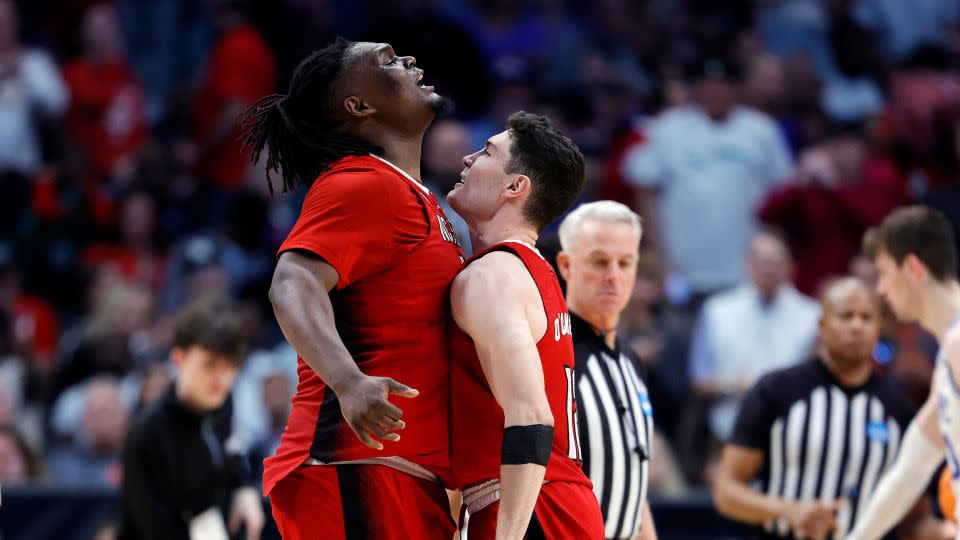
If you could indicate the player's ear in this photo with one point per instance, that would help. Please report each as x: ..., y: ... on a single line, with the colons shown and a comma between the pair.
x: 358, y: 108
x: 563, y: 265
x: 914, y: 267
x: 519, y: 185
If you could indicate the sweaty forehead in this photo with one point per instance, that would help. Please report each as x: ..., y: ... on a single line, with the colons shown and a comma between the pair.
x: 367, y: 52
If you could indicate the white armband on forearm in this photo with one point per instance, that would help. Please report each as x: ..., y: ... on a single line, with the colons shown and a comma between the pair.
x: 900, y: 486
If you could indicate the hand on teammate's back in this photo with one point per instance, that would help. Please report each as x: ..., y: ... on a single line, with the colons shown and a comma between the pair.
x: 812, y: 519
x: 364, y: 405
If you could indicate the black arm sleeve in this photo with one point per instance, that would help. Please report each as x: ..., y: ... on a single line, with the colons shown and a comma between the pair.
x: 150, y: 516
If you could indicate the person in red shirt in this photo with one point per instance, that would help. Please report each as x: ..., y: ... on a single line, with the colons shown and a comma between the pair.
x: 516, y: 455
x: 240, y: 69
x: 107, y: 116
x: 360, y: 291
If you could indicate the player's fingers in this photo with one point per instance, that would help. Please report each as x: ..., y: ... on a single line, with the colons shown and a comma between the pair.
x: 382, y: 433
x: 392, y: 424
x: 389, y: 410
x: 393, y: 387
x: 364, y: 436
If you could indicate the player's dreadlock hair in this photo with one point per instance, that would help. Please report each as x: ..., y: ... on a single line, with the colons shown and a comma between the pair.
x: 299, y: 129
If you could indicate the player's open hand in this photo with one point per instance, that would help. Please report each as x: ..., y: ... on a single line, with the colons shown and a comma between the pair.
x: 812, y: 519
x: 369, y: 413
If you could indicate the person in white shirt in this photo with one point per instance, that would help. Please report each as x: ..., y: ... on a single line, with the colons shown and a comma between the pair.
x: 747, y: 332
x: 700, y: 175
x: 30, y: 87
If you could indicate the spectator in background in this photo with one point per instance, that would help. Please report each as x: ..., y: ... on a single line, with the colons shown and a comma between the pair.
x: 18, y: 463
x: 277, y: 390
x: 904, y: 26
x: 138, y: 256
x: 700, y: 176
x: 30, y: 85
x: 31, y: 93
x: 744, y: 333
x: 107, y: 115
x: 180, y: 468
x: 93, y: 459
x: 106, y: 341
x: 838, y: 192
x: 239, y: 70
x: 446, y: 143
x: 236, y: 257
x: 36, y: 327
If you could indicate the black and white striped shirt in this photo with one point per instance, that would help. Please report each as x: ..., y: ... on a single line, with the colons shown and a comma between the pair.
x: 822, y: 440
x: 615, y: 422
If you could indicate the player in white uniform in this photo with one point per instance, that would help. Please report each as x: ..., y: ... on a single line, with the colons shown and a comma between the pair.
x: 916, y: 261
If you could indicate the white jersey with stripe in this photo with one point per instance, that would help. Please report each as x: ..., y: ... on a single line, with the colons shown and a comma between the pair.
x: 948, y: 413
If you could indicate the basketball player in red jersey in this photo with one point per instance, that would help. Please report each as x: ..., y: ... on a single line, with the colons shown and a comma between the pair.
x: 515, y: 451
x: 360, y: 291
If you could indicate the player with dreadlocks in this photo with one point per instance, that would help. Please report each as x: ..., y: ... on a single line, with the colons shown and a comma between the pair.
x: 360, y: 292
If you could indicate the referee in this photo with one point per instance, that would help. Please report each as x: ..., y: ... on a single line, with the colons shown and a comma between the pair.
x: 599, y: 242
x: 816, y: 437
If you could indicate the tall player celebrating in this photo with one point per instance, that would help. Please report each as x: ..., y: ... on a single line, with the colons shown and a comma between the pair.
x: 513, y: 405
x: 917, y: 265
x: 360, y: 292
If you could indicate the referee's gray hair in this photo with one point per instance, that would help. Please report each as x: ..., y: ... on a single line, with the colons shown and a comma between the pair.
x: 604, y: 211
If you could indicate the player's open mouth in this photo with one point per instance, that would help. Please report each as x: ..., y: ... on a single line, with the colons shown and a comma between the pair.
x: 425, y: 88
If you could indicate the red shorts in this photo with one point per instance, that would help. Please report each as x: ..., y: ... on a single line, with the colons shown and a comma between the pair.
x: 564, y: 510
x: 359, y: 502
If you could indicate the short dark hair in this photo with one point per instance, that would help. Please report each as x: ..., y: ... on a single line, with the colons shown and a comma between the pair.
x: 552, y: 162
x: 919, y: 230
x: 212, y: 325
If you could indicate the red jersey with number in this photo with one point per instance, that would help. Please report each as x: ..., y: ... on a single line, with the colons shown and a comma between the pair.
x: 477, y: 418
x: 396, y: 255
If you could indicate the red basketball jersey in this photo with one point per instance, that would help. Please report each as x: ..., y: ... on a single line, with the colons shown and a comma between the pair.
x: 477, y: 418
x: 396, y: 254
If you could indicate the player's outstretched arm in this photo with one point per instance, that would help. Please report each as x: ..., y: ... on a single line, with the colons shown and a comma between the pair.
x: 300, y: 294
x: 735, y: 498
x: 921, y: 452
x: 495, y: 302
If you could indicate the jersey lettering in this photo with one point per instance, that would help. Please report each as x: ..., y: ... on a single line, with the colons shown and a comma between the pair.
x: 562, y: 326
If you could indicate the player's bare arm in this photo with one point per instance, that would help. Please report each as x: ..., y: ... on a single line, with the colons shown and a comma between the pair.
x: 921, y: 452
x: 301, y: 301
x: 496, y: 302
x: 735, y: 498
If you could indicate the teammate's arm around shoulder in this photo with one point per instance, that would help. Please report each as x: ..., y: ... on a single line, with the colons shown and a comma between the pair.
x: 495, y: 301
x: 921, y: 452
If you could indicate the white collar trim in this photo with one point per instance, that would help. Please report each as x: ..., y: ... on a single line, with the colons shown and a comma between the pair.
x: 404, y: 173
x: 532, y: 247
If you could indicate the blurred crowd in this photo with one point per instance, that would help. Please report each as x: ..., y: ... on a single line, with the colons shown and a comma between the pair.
x: 758, y: 139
